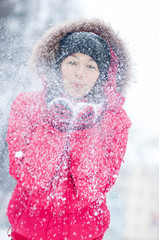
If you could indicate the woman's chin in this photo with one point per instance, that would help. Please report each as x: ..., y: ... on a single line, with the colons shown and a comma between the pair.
x: 76, y: 94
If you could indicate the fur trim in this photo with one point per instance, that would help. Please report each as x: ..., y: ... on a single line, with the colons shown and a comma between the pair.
x: 43, y: 53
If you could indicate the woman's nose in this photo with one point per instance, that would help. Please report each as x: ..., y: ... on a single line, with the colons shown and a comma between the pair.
x: 79, y: 72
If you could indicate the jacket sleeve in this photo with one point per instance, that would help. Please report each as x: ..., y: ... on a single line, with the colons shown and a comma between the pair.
x: 34, y: 150
x: 18, y: 136
x: 114, y: 139
x: 96, y: 158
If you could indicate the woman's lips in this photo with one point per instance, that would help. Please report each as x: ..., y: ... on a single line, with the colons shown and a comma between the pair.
x: 78, y: 85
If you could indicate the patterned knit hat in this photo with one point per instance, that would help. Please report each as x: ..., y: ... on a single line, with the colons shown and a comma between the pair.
x: 88, y: 43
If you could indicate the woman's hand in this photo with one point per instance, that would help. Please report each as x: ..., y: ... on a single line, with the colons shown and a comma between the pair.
x: 85, y: 118
x: 60, y: 113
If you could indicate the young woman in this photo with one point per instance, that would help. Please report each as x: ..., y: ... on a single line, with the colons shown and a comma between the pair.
x: 67, y: 141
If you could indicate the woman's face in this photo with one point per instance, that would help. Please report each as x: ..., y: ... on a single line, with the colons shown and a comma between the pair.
x: 79, y: 74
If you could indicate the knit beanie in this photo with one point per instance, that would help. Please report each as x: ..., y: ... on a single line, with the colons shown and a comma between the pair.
x: 88, y: 43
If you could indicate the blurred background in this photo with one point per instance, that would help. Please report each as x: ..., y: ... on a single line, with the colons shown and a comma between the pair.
x: 134, y: 200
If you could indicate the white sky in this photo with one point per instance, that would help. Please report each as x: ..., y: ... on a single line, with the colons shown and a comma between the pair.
x: 137, y: 22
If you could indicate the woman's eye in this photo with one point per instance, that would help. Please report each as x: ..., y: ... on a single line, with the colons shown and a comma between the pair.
x: 91, y: 67
x: 72, y: 63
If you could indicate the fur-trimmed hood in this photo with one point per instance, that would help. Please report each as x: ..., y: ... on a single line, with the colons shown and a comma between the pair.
x: 44, y: 52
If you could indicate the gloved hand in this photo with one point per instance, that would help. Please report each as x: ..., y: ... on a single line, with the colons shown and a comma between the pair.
x: 79, y: 116
x: 61, y: 113
x: 84, y: 118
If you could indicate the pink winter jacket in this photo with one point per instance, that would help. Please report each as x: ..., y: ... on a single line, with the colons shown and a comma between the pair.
x: 62, y: 178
